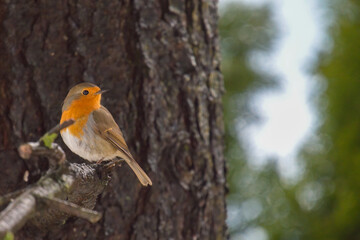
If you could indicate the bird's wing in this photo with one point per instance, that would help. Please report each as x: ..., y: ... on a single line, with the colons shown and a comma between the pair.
x: 106, y: 126
x: 109, y: 130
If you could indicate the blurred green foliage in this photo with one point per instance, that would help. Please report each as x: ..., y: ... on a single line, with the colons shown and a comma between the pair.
x: 244, y: 31
x: 335, y: 167
x: 325, y: 203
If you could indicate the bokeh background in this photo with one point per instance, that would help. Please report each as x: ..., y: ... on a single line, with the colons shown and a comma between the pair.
x: 292, y: 118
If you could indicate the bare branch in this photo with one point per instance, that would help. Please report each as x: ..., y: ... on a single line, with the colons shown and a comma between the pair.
x: 59, y: 127
x: 38, y: 149
x: 24, y: 207
x: 8, y: 197
x: 71, y: 208
x: 43, y: 204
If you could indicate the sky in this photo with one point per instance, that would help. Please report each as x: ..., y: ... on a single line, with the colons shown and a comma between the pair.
x: 288, y: 118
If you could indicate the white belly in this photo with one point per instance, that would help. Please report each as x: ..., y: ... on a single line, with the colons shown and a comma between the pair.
x: 90, y: 147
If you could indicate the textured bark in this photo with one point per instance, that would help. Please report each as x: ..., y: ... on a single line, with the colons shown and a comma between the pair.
x: 160, y: 60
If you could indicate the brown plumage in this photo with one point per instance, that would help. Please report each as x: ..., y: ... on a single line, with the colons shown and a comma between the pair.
x: 95, y: 135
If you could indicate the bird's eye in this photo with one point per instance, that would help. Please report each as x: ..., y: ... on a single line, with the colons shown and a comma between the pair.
x: 85, y: 92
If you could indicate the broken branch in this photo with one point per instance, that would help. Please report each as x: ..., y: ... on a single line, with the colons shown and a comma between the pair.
x: 68, y: 189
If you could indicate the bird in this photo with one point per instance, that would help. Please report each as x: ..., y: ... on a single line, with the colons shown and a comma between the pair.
x: 94, y: 135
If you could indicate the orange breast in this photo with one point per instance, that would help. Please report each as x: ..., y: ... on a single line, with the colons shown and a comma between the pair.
x: 79, y: 110
x: 75, y: 129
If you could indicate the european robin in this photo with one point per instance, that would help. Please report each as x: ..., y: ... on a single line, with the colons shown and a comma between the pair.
x: 95, y: 136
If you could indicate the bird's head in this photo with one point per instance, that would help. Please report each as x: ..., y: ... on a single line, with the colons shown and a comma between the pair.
x: 83, y: 95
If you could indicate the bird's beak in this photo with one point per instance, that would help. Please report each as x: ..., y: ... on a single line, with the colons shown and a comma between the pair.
x: 101, y: 92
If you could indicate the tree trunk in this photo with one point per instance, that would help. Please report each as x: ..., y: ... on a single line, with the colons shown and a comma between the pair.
x: 160, y: 59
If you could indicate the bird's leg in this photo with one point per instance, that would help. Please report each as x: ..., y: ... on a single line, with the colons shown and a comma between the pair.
x: 118, y: 161
x: 113, y: 163
x: 110, y: 165
x: 100, y: 161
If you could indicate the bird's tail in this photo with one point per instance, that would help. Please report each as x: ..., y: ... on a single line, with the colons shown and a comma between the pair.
x: 141, y: 175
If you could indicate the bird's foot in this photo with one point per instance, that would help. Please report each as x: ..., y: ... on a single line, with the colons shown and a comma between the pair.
x: 113, y: 163
x: 118, y: 162
x: 109, y: 166
x: 100, y: 161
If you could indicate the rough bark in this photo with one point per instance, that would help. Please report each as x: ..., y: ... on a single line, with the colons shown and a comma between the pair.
x: 160, y: 60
